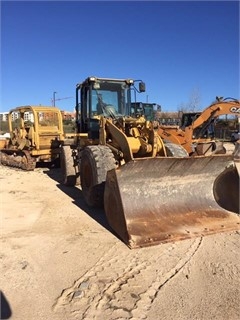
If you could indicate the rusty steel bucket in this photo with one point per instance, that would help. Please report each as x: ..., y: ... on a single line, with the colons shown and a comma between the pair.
x: 158, y: 200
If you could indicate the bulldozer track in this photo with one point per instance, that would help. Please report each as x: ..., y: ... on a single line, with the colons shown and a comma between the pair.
x: 13, y: 161
x: 116, y: 287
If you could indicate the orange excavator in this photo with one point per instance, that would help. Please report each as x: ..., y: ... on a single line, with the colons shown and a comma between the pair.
x: 191, y: 137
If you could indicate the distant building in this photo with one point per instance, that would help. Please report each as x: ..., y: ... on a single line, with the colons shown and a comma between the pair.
x: 3, y: 116
x: 28, y: 116
x: 15, y: 116
x: 66, y: 115
x: 169, y: 118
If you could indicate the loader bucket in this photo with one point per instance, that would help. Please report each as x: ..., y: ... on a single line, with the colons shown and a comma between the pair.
x: 159, y: 200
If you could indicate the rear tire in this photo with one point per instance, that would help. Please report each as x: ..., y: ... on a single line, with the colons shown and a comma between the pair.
x: 68, y: 170
x: 175, y: 150
x: 96, y: 161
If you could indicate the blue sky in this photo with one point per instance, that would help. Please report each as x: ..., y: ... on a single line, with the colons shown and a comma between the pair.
x: 178, y: 48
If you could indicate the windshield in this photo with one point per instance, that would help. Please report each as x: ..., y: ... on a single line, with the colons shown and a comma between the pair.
x: 48, y: 119
x: 148, y: 111
x: 114, y: 94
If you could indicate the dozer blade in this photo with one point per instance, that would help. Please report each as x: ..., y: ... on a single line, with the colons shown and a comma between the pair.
x: 158, y: 200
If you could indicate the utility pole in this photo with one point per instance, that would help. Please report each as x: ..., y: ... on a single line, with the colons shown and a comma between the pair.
x: 54, y: 98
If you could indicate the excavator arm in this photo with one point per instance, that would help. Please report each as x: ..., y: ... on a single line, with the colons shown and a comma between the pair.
x: 217, y: 109
x: 185, y: 137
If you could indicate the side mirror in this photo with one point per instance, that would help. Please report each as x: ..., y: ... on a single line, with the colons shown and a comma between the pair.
x: 142, y: 87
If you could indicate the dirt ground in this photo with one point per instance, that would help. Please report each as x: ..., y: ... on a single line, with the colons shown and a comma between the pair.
x: 60, y: 261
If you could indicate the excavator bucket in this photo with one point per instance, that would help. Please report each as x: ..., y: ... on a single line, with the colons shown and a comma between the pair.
x: 159, y: 200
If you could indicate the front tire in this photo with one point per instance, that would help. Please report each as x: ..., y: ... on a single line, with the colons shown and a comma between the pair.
x: 68, y: 170
x: 96, y: 161
x: 175, y: 150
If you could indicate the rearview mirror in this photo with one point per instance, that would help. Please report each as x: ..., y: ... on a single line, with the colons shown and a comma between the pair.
x: 142, y: 87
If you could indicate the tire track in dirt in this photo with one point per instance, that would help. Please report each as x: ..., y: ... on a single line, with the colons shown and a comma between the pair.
x: 124, y: 283
x: 226, y: 269
x: 147, y: 298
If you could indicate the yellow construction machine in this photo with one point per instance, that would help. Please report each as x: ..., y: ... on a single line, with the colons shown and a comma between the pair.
x: 145, y: 109
x: 192, y: 135
x: 36, y: 133
x: 152, y: 191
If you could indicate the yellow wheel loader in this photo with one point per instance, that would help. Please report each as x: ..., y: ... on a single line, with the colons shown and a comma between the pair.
x: 152, y: 192
x: 36, y: 133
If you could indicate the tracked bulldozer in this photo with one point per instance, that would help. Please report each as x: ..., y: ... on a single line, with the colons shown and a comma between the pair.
x: 151, y: 190
x: 36, y: 133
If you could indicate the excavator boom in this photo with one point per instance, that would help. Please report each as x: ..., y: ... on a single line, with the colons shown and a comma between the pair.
x: 199, y: 145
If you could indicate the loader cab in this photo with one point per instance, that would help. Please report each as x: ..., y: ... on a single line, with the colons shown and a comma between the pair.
x: 139, y: 109
x: 96, y: 97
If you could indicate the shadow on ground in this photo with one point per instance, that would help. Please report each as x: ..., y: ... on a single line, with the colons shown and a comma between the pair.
x: 4, y: 307
x: 75, y: 193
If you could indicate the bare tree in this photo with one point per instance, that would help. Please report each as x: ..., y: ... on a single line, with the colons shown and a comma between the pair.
x: 193, y: 103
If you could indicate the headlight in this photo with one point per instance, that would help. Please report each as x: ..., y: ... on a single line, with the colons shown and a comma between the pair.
x: 129, y: 81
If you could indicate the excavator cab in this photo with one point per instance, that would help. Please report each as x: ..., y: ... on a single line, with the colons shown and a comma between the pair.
x: 188, y: 118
